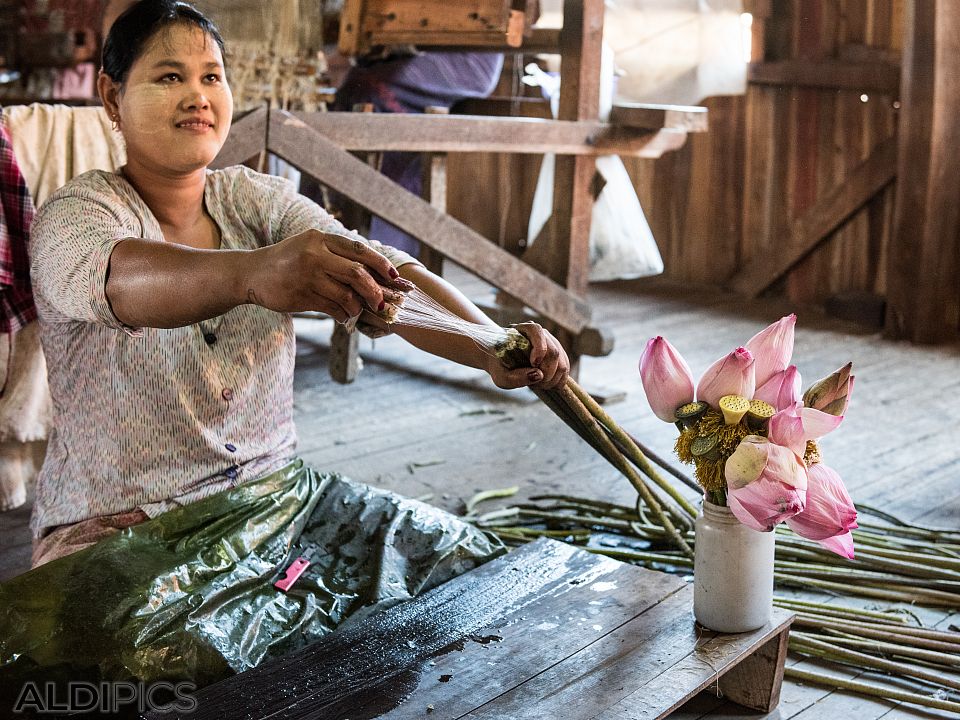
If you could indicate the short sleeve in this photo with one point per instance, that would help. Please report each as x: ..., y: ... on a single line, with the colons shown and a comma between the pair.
x: 72, y: 237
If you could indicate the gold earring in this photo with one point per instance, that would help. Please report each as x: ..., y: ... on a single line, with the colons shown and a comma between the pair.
x: 115, y: 123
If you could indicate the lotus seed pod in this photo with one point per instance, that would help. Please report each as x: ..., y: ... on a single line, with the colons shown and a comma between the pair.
x: 733, y: 407
x: 759, y: 413
x: 703, y: 444
x: 690, y: 413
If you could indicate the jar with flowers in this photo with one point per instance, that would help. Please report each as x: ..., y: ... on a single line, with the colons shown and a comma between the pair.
x: 752, y: 438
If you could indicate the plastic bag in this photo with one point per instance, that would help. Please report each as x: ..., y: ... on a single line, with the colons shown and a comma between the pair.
x: 622, y: 245
x: 189, y: 595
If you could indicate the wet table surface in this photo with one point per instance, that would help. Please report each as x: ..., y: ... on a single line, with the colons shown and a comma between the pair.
x: 546, y: 631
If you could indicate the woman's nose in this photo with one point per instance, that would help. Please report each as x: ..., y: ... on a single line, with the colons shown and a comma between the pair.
x: 196, y: 99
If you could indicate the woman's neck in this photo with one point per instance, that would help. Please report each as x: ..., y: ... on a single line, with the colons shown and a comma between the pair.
x: 175, y: 200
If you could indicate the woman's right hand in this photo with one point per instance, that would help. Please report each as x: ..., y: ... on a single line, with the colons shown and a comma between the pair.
x: 318, y: 271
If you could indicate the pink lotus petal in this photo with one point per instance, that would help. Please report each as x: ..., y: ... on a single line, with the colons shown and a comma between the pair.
x: 786, y: 428
x: 840, y: 544
x: 765, y: 503
x: 666, y: 377
x: 730, y: 375
x: 829, y: 511
x: 816, y: 424
x: 772, y: 348
x: 782, y: 390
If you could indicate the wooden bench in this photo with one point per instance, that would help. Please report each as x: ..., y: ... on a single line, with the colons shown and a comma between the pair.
x: 546, y: 631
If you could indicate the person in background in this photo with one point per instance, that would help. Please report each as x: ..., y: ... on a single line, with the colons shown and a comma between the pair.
x: 404, y: 80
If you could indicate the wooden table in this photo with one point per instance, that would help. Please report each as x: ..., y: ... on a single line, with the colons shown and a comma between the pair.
x: 547, y: 631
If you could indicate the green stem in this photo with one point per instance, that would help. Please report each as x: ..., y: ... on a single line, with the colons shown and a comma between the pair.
x: 631, y: 450
x: 870, y: 689
x: 613, y: 455
x: 808, y: 645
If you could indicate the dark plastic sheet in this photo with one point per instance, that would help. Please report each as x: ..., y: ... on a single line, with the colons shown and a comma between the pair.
x: 189, y: 595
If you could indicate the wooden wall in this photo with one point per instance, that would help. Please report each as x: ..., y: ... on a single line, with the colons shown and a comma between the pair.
x: 731, y: 196
x: 792, y: 190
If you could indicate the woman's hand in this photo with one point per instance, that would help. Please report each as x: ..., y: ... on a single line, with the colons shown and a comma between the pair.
x: 549, y: 364
x: 323, y: 272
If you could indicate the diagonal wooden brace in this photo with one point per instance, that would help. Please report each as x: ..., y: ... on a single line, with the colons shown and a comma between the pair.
x: 308, y: 150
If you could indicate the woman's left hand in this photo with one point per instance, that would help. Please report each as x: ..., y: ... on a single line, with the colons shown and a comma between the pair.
x: 549, y: 364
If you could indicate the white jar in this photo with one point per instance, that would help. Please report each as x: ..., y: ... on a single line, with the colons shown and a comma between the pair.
x: 732, y: 572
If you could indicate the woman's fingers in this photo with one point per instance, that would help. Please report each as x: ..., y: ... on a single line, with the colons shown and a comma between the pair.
x: 546, y: 356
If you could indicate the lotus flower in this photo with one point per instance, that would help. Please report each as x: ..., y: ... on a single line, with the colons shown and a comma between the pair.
x: 666, y: 378
x: 772, y: 348
x: 828, y: 513
x: 730, y: 375
x: 832, y: 394
x: 782, y: 390
x: 766, y: 483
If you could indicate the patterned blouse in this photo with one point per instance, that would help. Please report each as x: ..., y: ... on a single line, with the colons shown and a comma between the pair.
x: 154, y: 418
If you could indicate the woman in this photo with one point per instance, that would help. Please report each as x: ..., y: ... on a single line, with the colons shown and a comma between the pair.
x: 164, y: 293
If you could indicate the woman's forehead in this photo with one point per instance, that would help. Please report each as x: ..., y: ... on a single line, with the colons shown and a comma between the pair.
x: 179, y: 41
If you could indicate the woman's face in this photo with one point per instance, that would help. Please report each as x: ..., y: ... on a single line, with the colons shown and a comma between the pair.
x: 175, y: 108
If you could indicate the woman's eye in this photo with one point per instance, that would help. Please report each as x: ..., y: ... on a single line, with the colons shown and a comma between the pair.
x: 170, y: 77
x: 213, y: 78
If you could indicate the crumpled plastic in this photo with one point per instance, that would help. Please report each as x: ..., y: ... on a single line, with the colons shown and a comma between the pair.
x: 189, y: 595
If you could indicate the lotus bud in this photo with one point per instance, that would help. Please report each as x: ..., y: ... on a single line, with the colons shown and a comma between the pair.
x: 772, y: 348
x: 733, y: 407
x: 832, y: 394
x: 828, y: 511
x: 782, y: 390
x: 666, y: 377
x: 730, y: 375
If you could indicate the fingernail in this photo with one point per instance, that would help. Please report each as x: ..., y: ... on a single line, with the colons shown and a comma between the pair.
x: 534, y: 375
x: 381, y: 306
x: 394, y: 274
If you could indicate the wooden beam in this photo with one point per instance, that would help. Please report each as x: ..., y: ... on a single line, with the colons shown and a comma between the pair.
x: 862, y: 77
x: 464, y: 133
x: 655, y: 117
x: 247, y: 139
x: 923, y: 295
x: 865, y: 181
x: 314, y: 154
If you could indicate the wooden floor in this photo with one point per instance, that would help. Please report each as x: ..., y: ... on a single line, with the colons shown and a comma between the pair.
x: 423, y: 427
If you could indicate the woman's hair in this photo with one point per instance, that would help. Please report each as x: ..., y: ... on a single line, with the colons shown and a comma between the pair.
x: 131, y: 31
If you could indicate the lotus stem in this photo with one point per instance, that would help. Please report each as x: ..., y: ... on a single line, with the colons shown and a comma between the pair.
x: 870, y: 689
x: 894, y: 635
x: 896, y: 649
x: 825, y: 609
x: 936, y: 598
x: 612, y: 454
x: 808, y: 645
x: 666, y: 466
x: 641, y: 556
x: 631, y: 450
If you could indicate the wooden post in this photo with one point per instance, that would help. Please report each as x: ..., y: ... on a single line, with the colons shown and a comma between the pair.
x: 434, y: 191
x: 923, y: 295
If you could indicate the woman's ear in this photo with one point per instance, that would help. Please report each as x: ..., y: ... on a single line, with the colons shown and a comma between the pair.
x: 109, y: 92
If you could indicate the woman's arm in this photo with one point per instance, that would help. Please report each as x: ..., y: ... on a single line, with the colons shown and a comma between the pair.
x: 549, y: 365
x: 156, y: 284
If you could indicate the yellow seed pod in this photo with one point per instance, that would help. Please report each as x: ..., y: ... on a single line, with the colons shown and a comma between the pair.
x: 759, y: 413
x: 733, y: 407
